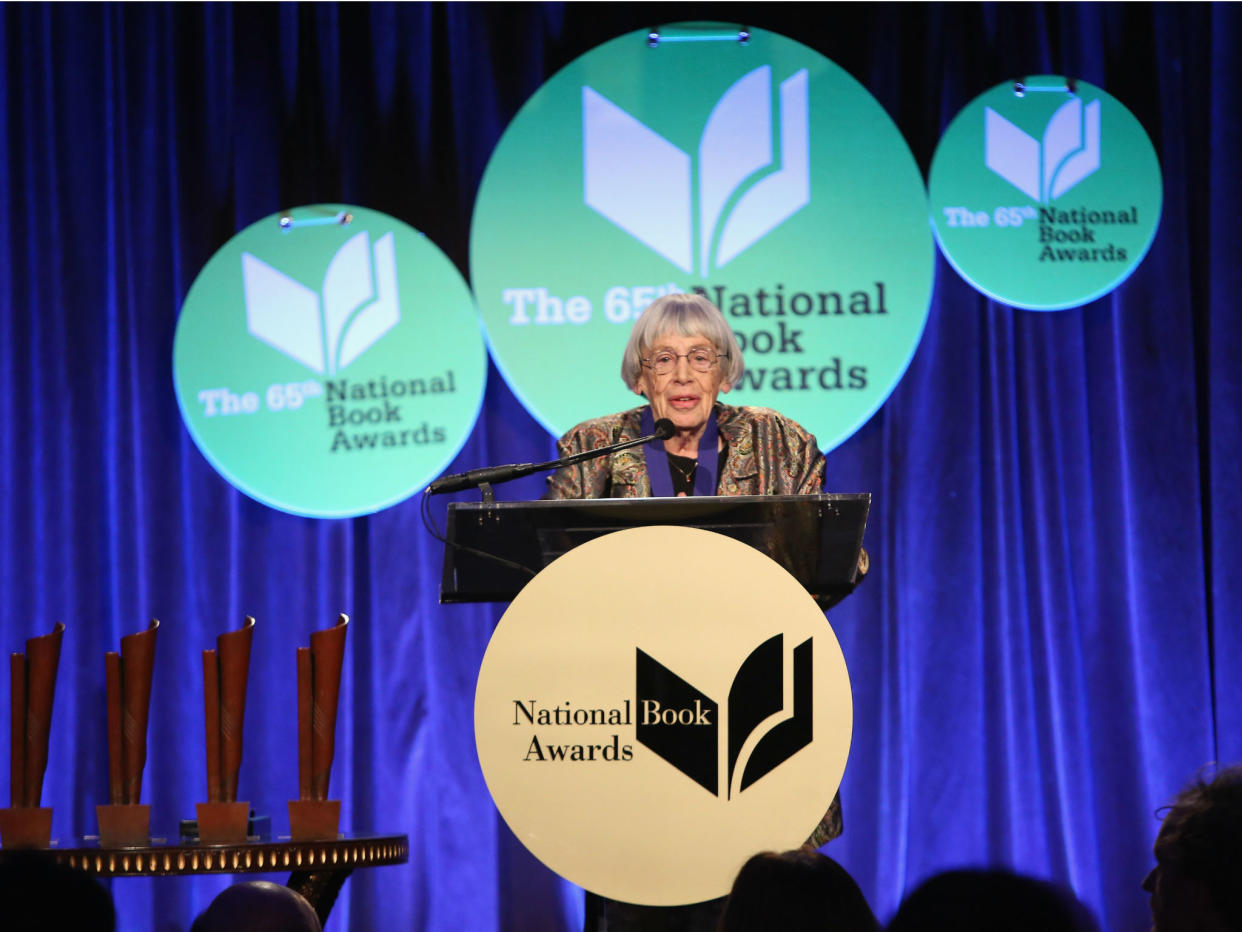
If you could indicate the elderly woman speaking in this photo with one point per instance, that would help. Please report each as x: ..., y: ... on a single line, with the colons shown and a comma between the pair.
x: 681, y: 356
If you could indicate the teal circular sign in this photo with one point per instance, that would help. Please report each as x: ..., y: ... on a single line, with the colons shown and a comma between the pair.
x: 758, y: 173
x: 328, y: 361
x: 1045, y: 193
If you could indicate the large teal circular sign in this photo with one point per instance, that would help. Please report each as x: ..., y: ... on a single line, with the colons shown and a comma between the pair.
x: 761, y: 174
x: 328, y: 361
x: 1045, y: 193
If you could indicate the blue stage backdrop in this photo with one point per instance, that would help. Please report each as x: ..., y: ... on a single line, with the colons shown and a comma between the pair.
x: 1047, y: 646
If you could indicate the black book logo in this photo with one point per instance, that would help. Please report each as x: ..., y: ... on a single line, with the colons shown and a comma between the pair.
x: 681, y: 724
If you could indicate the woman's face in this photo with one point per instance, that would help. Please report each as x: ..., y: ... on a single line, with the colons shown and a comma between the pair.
x: 685, y: 396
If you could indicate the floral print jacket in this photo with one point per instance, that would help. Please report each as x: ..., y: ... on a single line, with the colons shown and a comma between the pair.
x: 768, y: 454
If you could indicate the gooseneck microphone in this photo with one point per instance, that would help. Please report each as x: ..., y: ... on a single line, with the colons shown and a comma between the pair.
x: 490, y: 475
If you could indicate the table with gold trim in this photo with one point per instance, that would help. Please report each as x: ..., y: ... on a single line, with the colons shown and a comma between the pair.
x: 318, y: 868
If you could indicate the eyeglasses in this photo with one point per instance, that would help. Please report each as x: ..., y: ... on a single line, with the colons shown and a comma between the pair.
x: 701, y: 359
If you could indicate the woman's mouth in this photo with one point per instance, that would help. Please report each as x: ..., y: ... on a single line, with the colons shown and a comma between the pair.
x: 684, y: 402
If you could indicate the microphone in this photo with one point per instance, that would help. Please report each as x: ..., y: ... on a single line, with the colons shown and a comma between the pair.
x: 490, y: 475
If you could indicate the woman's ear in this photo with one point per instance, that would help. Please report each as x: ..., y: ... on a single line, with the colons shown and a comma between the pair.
x: 726, y: 386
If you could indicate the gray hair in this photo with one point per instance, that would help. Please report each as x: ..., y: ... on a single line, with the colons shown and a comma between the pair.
x: 690, y: 315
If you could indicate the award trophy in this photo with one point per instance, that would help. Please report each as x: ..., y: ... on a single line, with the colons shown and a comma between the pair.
x: 222, y: 819
x: 313, y: 816
x: 125, y: 822
x: 33, y: 686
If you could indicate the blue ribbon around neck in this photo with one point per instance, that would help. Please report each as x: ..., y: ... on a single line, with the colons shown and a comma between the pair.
x: 657, y: 459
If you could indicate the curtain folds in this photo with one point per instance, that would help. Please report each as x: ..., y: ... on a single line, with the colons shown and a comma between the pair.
x: 1047, y: 646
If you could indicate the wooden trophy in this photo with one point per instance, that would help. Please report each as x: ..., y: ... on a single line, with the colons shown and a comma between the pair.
x: 32, y: 688
x: 124, y: 822
x: 313, y: 816
x: 222, y: 820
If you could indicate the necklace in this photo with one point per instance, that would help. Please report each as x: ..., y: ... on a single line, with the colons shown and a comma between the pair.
x: 687, y: 474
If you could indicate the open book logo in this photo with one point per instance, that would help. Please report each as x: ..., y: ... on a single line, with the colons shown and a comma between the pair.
x: 359, y: 305
x: 1069, y: 152
x: 681, y: 724
x: 748, y: 181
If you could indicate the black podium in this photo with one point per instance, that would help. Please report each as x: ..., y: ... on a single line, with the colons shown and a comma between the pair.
x: 495, y: 548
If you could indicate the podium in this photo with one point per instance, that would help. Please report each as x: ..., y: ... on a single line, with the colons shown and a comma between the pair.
x: 661, y: 699
x: 494, y: 549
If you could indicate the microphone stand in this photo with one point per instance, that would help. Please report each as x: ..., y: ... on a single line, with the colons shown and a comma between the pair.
x: 485, y: 477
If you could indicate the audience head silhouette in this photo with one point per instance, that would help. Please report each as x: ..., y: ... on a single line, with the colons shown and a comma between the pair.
x: 794, y: 891
x: 39, y: 894
x: 258, y: 906
x: 988, y: 900
x: 1197, y: 881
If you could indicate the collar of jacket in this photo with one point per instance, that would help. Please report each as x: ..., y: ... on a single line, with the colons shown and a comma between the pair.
x: 629, y: 467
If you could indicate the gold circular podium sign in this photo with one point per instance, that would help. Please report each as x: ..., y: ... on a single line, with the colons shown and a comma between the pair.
x: 658, y: 705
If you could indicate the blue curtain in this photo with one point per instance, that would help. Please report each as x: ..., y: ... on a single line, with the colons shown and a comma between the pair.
x: 1047, y: 646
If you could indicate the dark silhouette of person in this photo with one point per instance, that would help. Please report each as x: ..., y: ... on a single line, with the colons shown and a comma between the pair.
x: 258, y: 906
x: 796, y: 891
x: 1197, y: 881
x: 38, y: 894
x: 988, y: 900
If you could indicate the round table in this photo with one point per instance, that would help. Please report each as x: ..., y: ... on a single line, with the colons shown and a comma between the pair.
x: 318, y: 868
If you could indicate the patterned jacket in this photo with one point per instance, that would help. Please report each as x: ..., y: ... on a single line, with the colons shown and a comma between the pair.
x: 768, y: 454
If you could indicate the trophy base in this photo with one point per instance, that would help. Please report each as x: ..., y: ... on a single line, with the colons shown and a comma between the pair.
x: 222, y: 823
x: 124, y: 825
x: 314, y: 819
x: 26, y: 827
